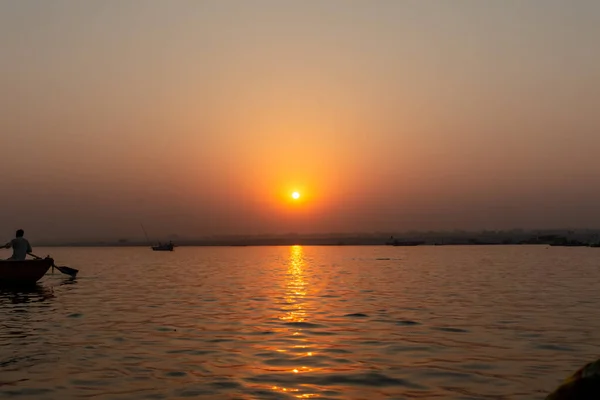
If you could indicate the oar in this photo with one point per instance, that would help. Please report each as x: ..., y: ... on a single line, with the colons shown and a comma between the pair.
x: 65, y: 270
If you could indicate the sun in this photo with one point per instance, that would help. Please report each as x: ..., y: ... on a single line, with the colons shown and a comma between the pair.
x: 295, y: 195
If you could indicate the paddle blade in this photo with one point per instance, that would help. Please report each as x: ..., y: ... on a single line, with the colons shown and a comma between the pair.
x: 68, y: 271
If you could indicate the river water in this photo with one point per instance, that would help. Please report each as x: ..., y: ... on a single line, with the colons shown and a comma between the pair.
x: 497, y: 322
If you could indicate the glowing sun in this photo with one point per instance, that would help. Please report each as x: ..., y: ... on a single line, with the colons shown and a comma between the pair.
x: 295, y: 195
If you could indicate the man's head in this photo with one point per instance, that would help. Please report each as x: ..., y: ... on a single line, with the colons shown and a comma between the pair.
x: 20, y: 233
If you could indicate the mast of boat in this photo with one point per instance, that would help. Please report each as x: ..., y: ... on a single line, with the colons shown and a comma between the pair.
x: 147, y: 238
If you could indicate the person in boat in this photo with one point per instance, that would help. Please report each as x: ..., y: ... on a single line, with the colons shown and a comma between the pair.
x: 20, y: 246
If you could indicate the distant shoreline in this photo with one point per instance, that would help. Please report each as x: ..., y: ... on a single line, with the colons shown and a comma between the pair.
x: 551, y: 238
x: 289, y: 244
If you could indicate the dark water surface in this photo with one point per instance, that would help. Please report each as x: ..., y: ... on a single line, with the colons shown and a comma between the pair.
x: 504, y: 322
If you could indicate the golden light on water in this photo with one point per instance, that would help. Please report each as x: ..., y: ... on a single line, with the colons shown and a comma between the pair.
x: 293, y: 390
x: 295, y: 311
x: 296, y: 287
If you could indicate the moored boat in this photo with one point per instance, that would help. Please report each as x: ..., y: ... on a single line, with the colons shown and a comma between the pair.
x: 396, y: 242
x: 407, y: 243
x: 25, y: 272
x: 163, y: 247
x: 160, y: 247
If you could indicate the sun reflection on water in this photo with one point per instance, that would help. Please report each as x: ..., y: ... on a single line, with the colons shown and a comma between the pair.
x: 290, y: 390
x: 296, y: 287
x: 295, y: 312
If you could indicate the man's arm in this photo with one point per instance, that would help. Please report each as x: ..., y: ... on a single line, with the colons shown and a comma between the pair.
x: 7, y: 246
x: 29, y: 249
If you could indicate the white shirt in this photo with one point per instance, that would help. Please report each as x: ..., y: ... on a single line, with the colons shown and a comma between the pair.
x: 20, y: 248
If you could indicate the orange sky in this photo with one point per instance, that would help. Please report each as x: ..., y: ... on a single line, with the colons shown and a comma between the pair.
x: 201, y: 118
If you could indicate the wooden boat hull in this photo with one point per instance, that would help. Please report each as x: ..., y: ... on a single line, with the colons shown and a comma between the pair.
x: 25, y: 272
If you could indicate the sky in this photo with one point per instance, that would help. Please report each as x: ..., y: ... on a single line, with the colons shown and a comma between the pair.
x: 201, y: 117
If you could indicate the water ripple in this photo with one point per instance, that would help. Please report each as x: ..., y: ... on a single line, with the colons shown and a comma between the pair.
x: 302, y: 322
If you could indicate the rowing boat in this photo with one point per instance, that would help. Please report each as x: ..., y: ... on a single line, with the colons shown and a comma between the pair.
x: 24, y: 272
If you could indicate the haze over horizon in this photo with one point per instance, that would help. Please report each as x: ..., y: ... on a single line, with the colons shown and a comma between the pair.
x: 202, y: 117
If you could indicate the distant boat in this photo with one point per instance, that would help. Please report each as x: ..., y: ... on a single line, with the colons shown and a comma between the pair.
x: 407, y: 243
x: 164, y: 247
x: 396, y: 242
x: 161, y: 247
x: 573, y: 243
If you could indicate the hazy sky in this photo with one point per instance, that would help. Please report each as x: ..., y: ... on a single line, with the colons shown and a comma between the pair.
x: 201, y: 117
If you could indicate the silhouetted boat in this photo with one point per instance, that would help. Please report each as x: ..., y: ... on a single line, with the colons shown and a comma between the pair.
x: 569, y: 244
x: 396, y: 242
x: 407, y: 243
x: 25, y: 272
x: 163, y: 247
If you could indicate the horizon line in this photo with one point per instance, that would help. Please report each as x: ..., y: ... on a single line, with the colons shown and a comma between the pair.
x: 358, y: 237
